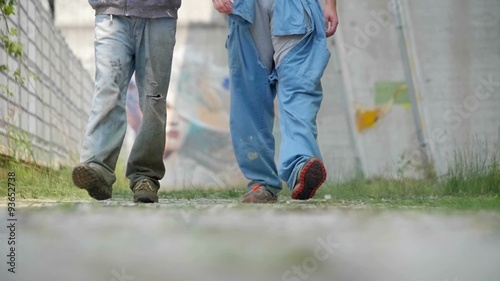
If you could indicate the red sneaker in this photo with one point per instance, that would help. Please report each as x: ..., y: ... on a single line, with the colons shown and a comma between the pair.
x: 311, y: 177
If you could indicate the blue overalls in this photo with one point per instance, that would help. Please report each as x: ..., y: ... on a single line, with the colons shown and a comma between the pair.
x: 296, y: 81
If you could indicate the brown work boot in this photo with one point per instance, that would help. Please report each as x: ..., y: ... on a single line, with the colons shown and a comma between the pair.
x: 88, y: 178
x: 259, y: 194
x: 310, y: 178
x: 145, y: 191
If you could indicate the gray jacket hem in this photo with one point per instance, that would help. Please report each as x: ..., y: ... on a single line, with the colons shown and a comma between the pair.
x: 138, y: 12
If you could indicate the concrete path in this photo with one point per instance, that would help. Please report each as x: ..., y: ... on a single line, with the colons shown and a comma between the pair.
x: 224, y: 240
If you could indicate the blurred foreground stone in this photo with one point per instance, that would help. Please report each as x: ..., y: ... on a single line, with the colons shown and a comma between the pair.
x: 223, y: 240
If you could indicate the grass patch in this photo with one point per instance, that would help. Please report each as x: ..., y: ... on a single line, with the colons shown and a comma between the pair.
x: 37, y: 182
x: 472, y: 182
x: 189, y: 194
x: 474, y: 171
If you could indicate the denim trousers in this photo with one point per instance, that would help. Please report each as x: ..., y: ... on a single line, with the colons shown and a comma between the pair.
x: 124, y: 45
x: 293, y: 77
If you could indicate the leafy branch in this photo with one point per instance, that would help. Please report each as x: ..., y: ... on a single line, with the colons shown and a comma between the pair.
x: 18, y: 141
x: 9, y: 42
x: 7, y: 7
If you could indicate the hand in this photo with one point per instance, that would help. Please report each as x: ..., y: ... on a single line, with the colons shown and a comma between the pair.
x: 223, y: 6
x: 331, y: 18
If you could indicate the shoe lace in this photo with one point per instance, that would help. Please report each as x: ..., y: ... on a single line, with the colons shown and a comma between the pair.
x: 144, y: 185
x: 257, y: 187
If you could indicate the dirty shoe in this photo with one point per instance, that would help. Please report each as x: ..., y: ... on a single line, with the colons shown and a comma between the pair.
x: 85, y: 177
x: 310, y: 178
x: 259, y: 194
x: 145, y: 191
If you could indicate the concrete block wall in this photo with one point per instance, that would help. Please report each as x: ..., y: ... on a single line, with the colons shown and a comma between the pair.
x: 51, y: 110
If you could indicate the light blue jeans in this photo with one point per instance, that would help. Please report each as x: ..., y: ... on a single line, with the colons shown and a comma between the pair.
x: 294, y: 77
x: 124, y: 45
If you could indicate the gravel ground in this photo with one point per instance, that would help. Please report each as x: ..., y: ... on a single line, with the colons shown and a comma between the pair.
x: 224, y: 240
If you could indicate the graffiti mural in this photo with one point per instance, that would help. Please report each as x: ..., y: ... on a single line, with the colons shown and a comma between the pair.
x: 387, y: 94
x: 198, y: 151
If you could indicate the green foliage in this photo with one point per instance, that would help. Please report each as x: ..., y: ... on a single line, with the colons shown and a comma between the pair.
x: 13, y: 48
x: 19, y: 143
x: 7, y: 7
x: 9, y: 42
x: 5, y: 89
x: 474, y: 171
x: 40, y: 182
x: 18, y: 77
x: 472, y: 182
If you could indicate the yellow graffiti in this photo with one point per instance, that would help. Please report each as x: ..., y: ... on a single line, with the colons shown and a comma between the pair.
x: 367, y: 117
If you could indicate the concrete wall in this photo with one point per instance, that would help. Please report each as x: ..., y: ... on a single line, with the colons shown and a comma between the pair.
x: 44, y: 118
x: 456, y: 52
x: 454, y: 60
